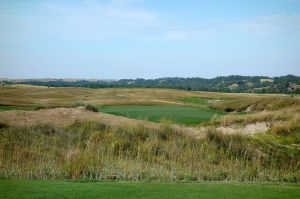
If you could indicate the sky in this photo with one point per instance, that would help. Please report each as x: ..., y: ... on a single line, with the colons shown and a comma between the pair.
x: 115, y: 39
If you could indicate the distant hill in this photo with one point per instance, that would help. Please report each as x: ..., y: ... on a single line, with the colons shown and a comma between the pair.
x: 288, y: 84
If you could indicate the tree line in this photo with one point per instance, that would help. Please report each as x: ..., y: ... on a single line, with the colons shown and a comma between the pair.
x: 288, y: 84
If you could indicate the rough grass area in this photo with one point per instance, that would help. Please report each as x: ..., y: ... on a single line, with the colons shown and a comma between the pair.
x: 177, y: 114
x: 68, y: 189
x: 63, y: 143
x: 98, y: 151
x: 195, y: 100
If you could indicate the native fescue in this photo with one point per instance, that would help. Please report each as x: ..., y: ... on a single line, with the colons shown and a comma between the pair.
x: 95, y: 150
x: 77, y: 143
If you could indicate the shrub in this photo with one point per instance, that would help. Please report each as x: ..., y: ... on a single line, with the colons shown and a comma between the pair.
x: 77, y: 104
x: 91, y: 107
x: 3, y: 125
x: 40, y: 106
x: 87, y: 106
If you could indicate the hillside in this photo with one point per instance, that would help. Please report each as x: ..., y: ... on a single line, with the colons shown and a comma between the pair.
x: 146, y: 134
x: 289, y: 84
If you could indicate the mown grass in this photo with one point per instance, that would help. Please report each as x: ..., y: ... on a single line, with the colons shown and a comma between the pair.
x: 24, y: 108
x: 178, y: 114
x: 97, y: 151
x: 70, y: 189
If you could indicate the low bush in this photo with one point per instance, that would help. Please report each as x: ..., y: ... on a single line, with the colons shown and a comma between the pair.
x: 87, y: 106
x: 91, y: 107
x: 40, y: 106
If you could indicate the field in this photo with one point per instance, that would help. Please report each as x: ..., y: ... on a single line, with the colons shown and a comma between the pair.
x: 67, y: 189
x: 8, y: 108
x: 177, y: 114
x: 165, y: 139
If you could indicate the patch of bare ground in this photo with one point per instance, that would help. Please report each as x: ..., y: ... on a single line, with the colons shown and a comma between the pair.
x: 249, y: 109
x: 66, y: 116
x: 167, y: 102
x: 58, y: 117
x: 249, y: 129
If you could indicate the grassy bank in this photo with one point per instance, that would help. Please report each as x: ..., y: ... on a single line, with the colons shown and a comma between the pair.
x: 95, y: 150
x: 109, y: 149
x: 68, y: 189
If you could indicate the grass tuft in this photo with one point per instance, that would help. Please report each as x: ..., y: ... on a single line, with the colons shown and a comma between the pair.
x: 87, y: 106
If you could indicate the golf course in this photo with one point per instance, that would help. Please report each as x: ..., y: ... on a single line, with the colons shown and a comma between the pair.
x: 75, y: 142
x: 178, y: 114
x: 145, y: 99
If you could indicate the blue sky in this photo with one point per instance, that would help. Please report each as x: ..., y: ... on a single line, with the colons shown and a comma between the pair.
x: 115, y: 39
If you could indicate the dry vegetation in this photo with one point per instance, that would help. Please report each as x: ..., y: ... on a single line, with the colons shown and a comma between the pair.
x: 62, y: 97
x: 95, y: 150
x: 77, y: 143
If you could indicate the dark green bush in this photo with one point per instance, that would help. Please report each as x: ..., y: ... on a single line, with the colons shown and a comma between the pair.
x: 91, y: 107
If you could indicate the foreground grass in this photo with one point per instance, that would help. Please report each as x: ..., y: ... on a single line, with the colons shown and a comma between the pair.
x: 178, y: 114
x: 100, y: 151
x: 68, y: 189
x: 92, y: 150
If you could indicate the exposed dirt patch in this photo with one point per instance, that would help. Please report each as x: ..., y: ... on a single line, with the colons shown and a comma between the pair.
x: 259, y: 127
x: 214, y: 100
x: 59, y: 117
x: 250, y: 129
x: 249, y: 109
x: 167, y: 102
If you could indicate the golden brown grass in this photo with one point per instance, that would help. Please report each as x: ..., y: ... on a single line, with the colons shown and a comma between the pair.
x: 277, y: 111
x: 75, y: 143
x: 61, y: 117
x: 53, y: 97
x: 96, y: 150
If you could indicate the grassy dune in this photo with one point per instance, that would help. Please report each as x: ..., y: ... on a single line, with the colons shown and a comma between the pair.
x: 112, y: 148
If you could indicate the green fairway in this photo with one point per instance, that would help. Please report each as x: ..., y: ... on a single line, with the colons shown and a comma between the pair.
x: 9, y: 108
x: 68, y: 189
x: 178, y: 114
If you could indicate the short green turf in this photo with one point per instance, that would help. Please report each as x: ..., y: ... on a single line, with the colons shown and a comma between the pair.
x: 69, y: 189
x: 9, y: 108
x: 178, y: 114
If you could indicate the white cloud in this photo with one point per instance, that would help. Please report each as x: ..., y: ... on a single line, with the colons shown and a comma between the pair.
x: 93, y: 20
x: 88, y: 20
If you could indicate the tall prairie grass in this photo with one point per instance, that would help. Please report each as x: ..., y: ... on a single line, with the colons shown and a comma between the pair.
x: 267, y: 103
x: 281, y: 114
x: 97, y: 151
